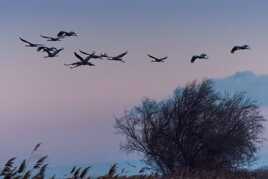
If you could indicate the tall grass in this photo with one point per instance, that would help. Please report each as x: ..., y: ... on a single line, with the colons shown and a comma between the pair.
x: 37, y: 169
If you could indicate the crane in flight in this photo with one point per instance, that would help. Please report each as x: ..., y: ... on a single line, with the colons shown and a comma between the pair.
x: 155, y: 59
x: 63, y: 34
x: 45, y: 49
x: 201, y: 56
x: 236, y: 48
x: 82, y: 61
x: 92, y: 55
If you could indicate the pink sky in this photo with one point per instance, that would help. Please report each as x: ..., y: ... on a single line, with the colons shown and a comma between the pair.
x: 72, y: 111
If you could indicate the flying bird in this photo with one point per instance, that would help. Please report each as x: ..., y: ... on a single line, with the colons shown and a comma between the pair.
x: 45, y: 49
x: 63, y: 34
x: 53, y: 53
x: 92, y: 55
x: 155, y: 59
x: 195, y: 57
x: 30, y: 44
x: 53, y: 39
x: 236, y: 48
x: 119, y: 57
x: 83, y: 61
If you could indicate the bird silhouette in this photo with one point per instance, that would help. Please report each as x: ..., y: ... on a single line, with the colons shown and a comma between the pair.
x: 45, y: 49
x: 236, y: 48
x: 53, y: 53
x: 30, y: 44
x: 53, y: 39
x: 63, y: 34
x: 92, y: 55
x: 118, y: 57
x: 202, y: 56
x: 155, y: 59
x: 83, y: 61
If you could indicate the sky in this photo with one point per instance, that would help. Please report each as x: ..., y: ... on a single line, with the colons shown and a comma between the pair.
x: 72, y: 111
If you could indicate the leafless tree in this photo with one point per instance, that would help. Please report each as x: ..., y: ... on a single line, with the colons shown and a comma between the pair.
x: 195, y: 128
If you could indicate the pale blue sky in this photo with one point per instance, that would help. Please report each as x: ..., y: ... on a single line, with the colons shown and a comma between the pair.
x: 72, y: 112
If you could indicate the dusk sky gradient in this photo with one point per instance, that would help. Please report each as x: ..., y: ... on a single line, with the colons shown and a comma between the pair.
x: 72, y: 111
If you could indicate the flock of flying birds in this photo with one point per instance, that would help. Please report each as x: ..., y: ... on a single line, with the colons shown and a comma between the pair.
x: 85, y: 61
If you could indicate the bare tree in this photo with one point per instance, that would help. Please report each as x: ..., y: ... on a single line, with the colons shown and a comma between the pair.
x: 196, y: 128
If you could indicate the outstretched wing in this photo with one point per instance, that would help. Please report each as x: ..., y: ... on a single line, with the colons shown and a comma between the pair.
x: 79, y: 57
x: 152, y: 57
x: 235, y: 48
x: 25, y: 41
x: 193, y: 59
x: 121, y: 55
x: 83, y: 52
x: 58, y: 51
x: 164, y: 58
x: 46, y: 37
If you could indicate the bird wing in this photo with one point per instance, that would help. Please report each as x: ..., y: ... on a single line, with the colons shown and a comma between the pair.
x: 85, y: 53
x: 152, y: 57
x: 58, y: 51
x: 23, y: 40
x: 121, y: 55
x: 79, y: 57
x: 234, y: 49
x: 164, y: 58
x: 193, y: 59
x: 46, y: 37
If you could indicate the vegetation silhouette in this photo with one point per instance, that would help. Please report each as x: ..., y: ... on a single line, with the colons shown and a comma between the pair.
x: 38, y: 170
x: 196, y: 128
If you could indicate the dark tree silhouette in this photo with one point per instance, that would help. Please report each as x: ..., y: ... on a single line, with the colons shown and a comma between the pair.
x: 196, y: 128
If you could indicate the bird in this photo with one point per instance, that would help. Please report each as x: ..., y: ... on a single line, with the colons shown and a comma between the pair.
x: 45, y: 49
x: 92, y: 55
x: 53, y: 53
x: 30, y: 44
x: 83, y: 61
x: 63, y: 34
x: 236, y: 48
x: 53, y: 39
x: 119, y: 57
x: 202, y: 56
x: 155, y: 59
